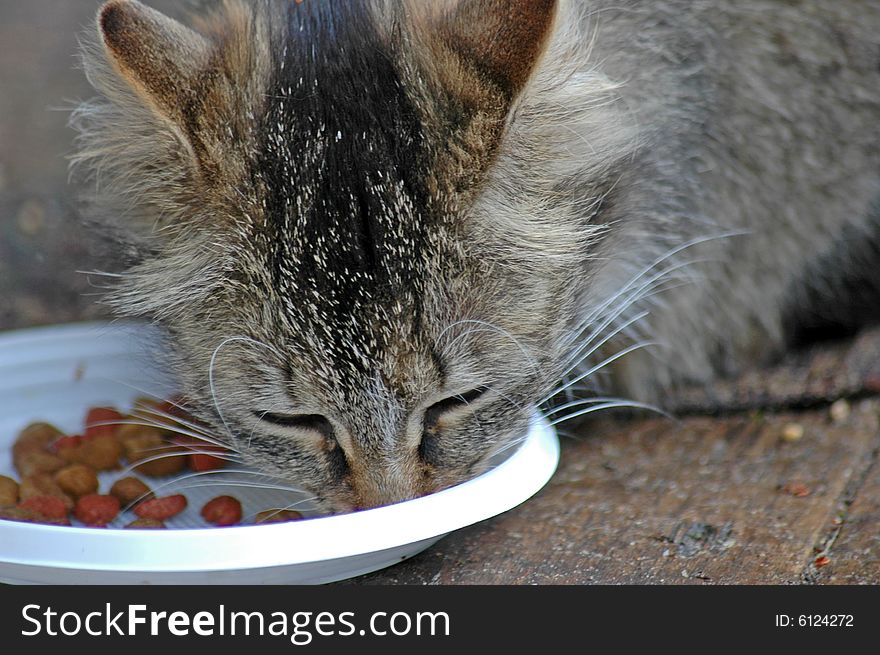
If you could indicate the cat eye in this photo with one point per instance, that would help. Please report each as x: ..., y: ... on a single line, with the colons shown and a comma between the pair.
x: 429, y: 448
x: 314, y: 422
x: 438, y: 409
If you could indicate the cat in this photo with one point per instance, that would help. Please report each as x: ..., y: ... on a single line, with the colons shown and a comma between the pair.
x: 380, y: 233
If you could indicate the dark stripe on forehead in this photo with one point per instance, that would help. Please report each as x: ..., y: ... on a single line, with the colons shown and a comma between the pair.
x: 343, y: 141
x: 343, y: 158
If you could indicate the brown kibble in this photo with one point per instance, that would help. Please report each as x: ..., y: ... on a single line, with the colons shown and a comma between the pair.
x: 138, y: 437
x: 797, y: 489
x: 42, y: 484
x: 792, y: 432
x: 35, y: 437
x: 30, y: 453
x: 77, y: 480
x: 101, y: 452
x: 37, y: 461
x: 145, y: 524
x: 8, y: 492
x: 821, y: 561
x: 142, y: 443
x: 130, y: 490
x: 278, y: 516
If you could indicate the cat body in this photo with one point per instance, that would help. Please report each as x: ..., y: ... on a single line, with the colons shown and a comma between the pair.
x: 381, y: 233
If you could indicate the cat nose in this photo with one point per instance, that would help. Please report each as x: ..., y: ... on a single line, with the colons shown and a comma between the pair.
x: 379, y: 491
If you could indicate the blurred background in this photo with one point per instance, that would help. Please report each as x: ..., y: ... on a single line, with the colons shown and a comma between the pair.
x: 42, y: 242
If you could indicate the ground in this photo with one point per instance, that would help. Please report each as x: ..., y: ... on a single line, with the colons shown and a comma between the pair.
x: 764, y: 479
x: 770, y: 479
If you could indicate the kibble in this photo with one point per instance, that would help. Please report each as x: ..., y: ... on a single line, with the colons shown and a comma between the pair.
x: 130, y: 490
x: 42, y: 484
x: 77, y: 480
x: 59, y: 472
x: 222, y: 511
x: 145, y: 524
x: 278, y: 516
x: 96, y: 510
x: 50, y: 507
x: 8, y: 492
x: 161, y: 508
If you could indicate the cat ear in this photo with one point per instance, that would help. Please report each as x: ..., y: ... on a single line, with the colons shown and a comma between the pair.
x: 160, y: 58
x: 501, y: 39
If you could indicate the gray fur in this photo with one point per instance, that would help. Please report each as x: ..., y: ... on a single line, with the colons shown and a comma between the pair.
x: 670, y: 174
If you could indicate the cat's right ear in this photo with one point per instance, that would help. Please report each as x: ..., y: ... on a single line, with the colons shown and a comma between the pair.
x: 160, y: 58
x: 498, y: 41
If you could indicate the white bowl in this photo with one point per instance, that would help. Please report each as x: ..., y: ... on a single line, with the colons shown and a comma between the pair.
x: 56, y: 373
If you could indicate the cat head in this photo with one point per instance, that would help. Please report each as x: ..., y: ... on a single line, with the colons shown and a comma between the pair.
x: 370, y: 273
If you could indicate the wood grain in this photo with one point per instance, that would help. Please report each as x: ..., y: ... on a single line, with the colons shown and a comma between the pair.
x: 702, y: 501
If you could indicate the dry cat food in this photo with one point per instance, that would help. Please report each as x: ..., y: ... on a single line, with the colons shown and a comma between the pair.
x: 8, y: 491
x: 145, y: 524
x: 77, y: 480
x: 222, y: 510
x: 161, y: 509
x: 130, y: 490
x: 96, y: 510
x: 278, y: 516
x: 58, y: 472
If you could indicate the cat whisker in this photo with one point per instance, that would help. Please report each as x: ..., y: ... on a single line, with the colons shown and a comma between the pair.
x: 599, y: 366
x: 656, y: 262
x: 614, y: 405
x: 223, y: 476
x: 507, y: 446
x: 580, y: 403
x: 636, y: 296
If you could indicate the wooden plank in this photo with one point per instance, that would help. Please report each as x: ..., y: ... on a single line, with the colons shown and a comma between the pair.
x: 852, y: 547
x: 820, y: 375
x: 701, y: 501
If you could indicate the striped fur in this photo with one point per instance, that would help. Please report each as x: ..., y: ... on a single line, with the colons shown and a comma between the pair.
x: 406, y: 222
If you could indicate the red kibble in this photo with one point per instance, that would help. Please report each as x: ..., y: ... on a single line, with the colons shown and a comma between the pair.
x: 201, y: 459
x: 199, y: 462
x: 96, y: 510
x: 50, y: 507
x: 161, y: 508
x: 102, y: 420
x: 61, y: 443
x: 222, y: 510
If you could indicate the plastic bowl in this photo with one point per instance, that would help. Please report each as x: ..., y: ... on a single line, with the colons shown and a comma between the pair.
x: 56, y: 373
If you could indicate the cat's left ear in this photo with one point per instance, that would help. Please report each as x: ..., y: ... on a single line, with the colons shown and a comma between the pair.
x: 499, y: 41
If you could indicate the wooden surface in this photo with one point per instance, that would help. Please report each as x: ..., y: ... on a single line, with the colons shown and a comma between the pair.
x: 722, y: 499
x: 712, y: 499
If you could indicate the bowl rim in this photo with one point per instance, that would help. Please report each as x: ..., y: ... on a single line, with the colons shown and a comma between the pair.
x: 321, y: 539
